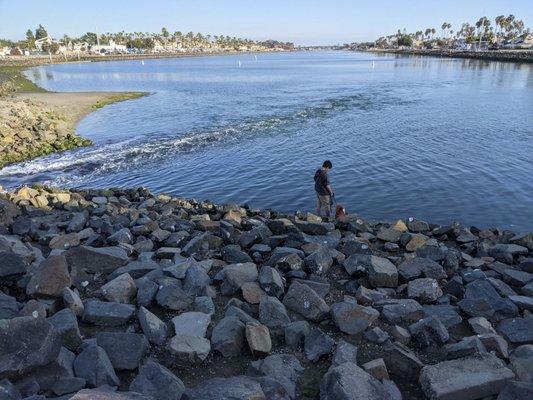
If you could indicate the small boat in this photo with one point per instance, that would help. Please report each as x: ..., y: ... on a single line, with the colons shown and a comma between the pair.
x: 373, y: 64
x: 239, y: 63
x: 142, y: 62
x: 255, y: 58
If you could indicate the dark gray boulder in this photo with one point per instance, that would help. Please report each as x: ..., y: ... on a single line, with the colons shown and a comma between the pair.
x: 107, y: 313
x: 157, y: 381
x: 228, y: 336
x: 317, y: 344
x: 94, y: 366
x: 234, y: 388
x: 125, y: 350
x: 66, y: 324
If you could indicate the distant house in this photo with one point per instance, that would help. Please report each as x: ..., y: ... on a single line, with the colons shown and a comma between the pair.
x: 112, y: 47
x: 40, y: 42
x: 524, y: 43
x: 479, y: 46
x: 5, y: 51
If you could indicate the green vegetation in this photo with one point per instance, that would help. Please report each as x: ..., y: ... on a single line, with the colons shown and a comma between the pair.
x: 14, y: 75
x: 119, y: 97
x: 67, y: 143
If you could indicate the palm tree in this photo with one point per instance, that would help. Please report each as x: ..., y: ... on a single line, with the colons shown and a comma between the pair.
x: 483, y: 25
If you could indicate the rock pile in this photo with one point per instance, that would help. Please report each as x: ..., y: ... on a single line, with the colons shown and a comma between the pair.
x: 120, y: 294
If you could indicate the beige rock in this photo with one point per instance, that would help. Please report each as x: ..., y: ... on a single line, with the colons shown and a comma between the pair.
x: 252, y: 292
x: 258, y: 337
x: 400, y: 226
x: 416, y: 242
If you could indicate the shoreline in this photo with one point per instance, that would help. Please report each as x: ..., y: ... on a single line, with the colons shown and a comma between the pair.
x: 136, y: 273
x: 518, y: 56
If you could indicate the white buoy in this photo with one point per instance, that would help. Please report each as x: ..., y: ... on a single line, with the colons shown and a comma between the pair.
x: 255, y: 57
x: 142, y: 62
x: 373, y: 64
x: 239, y: 63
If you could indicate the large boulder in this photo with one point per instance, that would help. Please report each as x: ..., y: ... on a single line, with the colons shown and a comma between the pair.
x: 157, y: 381
x: 381, y: 272
x: 417, y: 267
x: 402, y: 310
x: 465, y: 378
x: 156, y: 331
x: 94, y: 366
x: 517, y: 330
x: 191, y: 323
x: 302, y: 299
x: 96, y: 260
x: 25, y: 344
x: 273, y: 313
x: 352, y: 318
x: 482, y: 300
x: 11, y: 264
x: 234, y: 388
x: 235, y: 275
x: 349, y: 382
x: 122, y: 289
x: 228, y: 336
x: 66, y: 325
x: 125, y: 350
x: 107, y: 313
x: 282, y: 368
x: 51, y: 278
x: 189, y: 349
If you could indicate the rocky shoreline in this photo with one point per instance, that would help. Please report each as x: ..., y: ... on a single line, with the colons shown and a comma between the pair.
x: 37, y: 124
x: 525, y: 56
x: 173, y: 299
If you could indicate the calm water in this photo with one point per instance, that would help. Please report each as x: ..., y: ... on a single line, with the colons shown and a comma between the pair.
x: 439, y: 139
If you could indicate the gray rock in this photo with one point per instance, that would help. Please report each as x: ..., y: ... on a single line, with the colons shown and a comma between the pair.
x: 8, y: 391
x: 522, y: 362
x: 417, y: 226
x: 228, y: 336
x: 282, y: 368
x: 425, y: 290
x: 517, y: 330
x: 107, y: 313
x: 304, y: 300
x: 26, y: 343
x: 429, y: 331
x: 349, y: 382
x: 50, y: 279
x: 344, y: 352
x: 523, y: 302
x: 320, y: 288
x: 402, y: 310
x: 506, y: 252
x: 94, y: 366
x: 190, y: 349
x: 273, y: 314
x: 517, y: 278
x: 191, y: 323
x: 516, y: 391
x: 204, y: 304
x: 8, y: 306
x: 135, y: 269
x: 258, y: 338
x: 234, y: 388
x: 271, y: 281
x: 11, y: 264
x: 157, y: 381
x: 382, y: 273
x: 95, y: 260
x: 480, y: 325
x: 196, y: 280
x: 235, y: 275
x: 122, y: 289
x: 418, y: 267
x: 376, y: 335
x: 319, y: 262
x: 446, y: 313
x: 295, y: 333
x: 170, y: 295
x: 72, y: 300
x: 146, y: 291
x: 107, y: 393
x: 469, y: 346
x: 68, y: 385
x: 317, y: 344
x: 402, y: 362
x: 156, y: 331
x: 482, y: 300
x: 125, y: 350
x: 66, y: 324
x: 233, y: 254
x: 61, y: 367
x: 465, y: 378
x: 352, y: 318
x: 389, y: 235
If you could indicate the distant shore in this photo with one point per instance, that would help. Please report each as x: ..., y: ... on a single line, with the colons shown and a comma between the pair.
x: 525, y: 56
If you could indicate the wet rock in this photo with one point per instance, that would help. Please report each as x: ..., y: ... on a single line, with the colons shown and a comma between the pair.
x: 157, y: 381
x: 517, y: 330
x: 317, y: 344
x: 304, y: 300
x: 258, y: 337
x: 235, y: 388
x: 66, y: 325
x: 191, y: 349
x: 352, y: 318
x: 125, y: 350
x: 191, y: 323
x: 228, y: 336
x: 486, y: 374
x: 425, y: 290
x: 107, y: 313
x: 349, y: 382
x: 122, y: 289
x: 26, y: 343
x: 402, y: 362
x: 93, y: 365
x: 156, y: 331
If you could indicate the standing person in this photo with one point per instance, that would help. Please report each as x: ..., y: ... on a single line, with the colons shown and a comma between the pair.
x: 323, y: 189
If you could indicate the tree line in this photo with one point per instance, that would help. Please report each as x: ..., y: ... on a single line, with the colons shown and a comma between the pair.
x: 502, y: 28
x: 145, y: 40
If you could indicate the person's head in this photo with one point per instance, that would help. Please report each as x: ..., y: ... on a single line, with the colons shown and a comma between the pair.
x: 327, y: 164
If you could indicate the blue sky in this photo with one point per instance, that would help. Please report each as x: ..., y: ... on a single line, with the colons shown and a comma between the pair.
x: 300, y: 21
